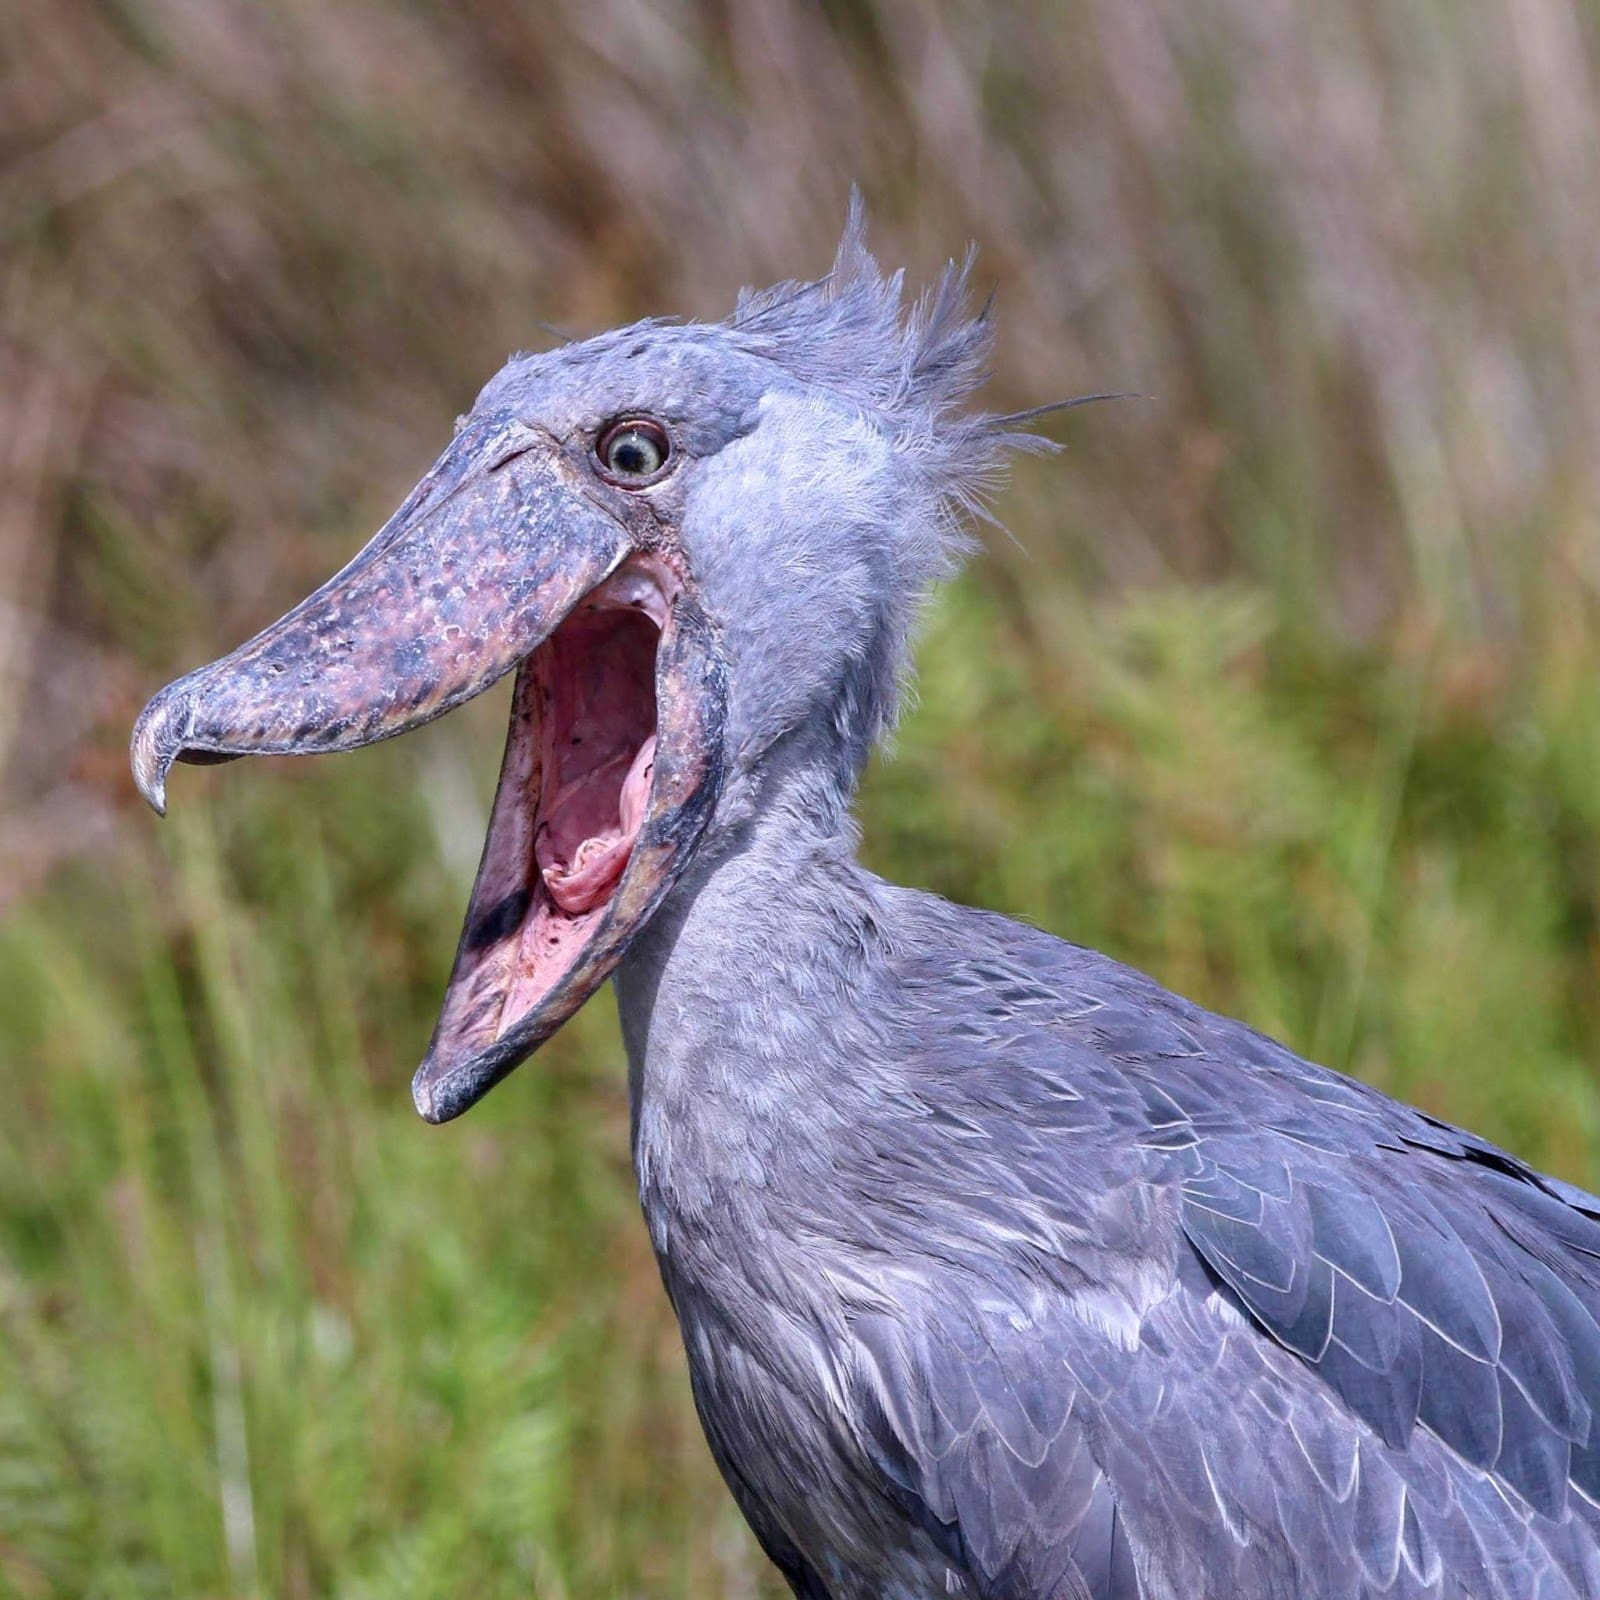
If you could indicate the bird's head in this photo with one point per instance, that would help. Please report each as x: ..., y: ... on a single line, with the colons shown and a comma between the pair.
x: 700, y: 548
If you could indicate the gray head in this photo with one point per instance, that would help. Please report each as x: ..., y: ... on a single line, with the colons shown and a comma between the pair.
x: 701, y: 547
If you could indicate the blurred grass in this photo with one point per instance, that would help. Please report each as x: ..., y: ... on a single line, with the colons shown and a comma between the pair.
x: 259, y: 1336
x: 1288, y: 689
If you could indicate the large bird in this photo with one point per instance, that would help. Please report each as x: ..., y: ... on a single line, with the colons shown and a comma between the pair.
x: 1002, y: 1271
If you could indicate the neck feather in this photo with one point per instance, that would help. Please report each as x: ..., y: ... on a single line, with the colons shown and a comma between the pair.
x: 773, y: 904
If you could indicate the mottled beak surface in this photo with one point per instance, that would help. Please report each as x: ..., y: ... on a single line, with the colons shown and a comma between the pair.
x: 484, y: 558
x: 504, y: 557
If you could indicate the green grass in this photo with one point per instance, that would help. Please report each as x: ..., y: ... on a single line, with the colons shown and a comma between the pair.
x: 263, y: 1331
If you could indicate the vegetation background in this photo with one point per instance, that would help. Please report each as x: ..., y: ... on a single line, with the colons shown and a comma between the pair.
x: 1286, y: 686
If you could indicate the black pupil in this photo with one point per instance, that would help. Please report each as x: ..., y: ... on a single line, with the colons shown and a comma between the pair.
x: 634, y: 453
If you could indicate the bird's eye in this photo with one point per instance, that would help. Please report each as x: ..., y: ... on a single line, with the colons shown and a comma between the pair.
x: 634, y: 451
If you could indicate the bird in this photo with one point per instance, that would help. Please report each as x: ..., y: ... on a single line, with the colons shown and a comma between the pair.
x: 1001, y: 1270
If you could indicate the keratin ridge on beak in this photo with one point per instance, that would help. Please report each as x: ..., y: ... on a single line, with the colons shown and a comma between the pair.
x: 470, y: 575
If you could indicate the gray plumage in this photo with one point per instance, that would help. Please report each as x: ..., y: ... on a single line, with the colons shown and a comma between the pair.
x: 1002, y: 1271
x: 999, y: 1267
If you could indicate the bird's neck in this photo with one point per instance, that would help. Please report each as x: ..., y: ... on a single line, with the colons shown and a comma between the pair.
x: 732, y: 998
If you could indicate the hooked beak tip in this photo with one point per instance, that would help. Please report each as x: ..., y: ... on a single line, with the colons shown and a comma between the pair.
x: 158, y: 737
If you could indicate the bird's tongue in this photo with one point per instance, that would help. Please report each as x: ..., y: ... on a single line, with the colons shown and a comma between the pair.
x: 583, y: 881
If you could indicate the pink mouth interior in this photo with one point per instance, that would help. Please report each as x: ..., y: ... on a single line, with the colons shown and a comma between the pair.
x: 599, y: 719
x: 574, y: 791
x: 595, y: 685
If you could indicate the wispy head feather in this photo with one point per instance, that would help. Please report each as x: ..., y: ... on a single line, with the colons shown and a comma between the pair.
x: 911, y: 369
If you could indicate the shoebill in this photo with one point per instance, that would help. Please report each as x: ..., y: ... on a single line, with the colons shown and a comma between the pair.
x: 1002, y: 1271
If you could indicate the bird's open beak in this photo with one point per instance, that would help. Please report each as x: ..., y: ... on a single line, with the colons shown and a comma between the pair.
x: 502, y: 557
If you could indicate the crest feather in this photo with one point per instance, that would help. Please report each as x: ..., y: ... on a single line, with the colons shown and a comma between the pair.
x: 912, y: 368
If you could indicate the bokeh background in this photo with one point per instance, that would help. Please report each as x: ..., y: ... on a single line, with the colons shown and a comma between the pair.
x: 1285, y: 685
